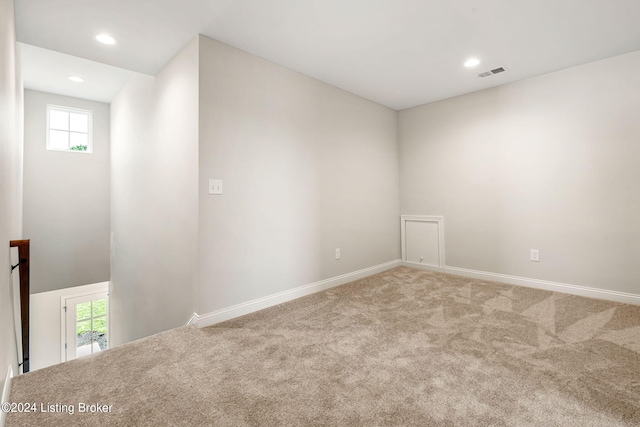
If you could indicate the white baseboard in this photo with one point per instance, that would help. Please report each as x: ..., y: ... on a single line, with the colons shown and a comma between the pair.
x: 534, y: 283
x: 193, y: 320
x: 5, y: 393
x: 275, y: 299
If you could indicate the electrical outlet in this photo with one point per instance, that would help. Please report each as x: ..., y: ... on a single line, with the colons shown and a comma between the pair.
x: 337, y: 253
x: 535, y: 255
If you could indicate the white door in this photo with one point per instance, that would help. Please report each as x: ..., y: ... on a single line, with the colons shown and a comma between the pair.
x: 422, y: 242
x: 86, y: 324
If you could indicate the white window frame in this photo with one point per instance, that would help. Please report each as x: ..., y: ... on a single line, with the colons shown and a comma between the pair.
x: 89, y: 113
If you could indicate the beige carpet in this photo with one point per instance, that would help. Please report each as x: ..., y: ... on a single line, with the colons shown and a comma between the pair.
x: 404, y: 347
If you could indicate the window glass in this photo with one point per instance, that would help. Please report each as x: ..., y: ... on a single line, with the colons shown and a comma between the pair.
x: 58, y: 120
x: 58, y: 140
x: 99, y: 307
x: 78, y: 122
x: 83, y: 310
x: 78, y: 141
x: 69, y: 129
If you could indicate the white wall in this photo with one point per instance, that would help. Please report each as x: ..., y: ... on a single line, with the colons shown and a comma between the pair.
x: 10, y: 180
x: 154, y: 178
x: 66, y: 199
x: 307, y: 168
x: 548, y: 163
x: 46, y: 323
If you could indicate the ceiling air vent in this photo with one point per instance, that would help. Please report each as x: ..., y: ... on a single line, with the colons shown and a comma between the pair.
x: 492, y: 72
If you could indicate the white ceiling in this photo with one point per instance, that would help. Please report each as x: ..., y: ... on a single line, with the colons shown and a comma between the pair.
x: 400, y: 53
x: 47, y: 71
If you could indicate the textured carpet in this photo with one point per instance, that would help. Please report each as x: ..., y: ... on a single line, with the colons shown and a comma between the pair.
x: 404, y: 347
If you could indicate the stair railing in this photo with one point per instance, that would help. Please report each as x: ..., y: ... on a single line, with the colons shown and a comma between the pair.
x: 23, y: 264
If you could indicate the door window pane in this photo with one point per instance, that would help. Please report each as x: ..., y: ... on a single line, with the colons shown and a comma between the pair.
x: 99, y: 307
x: 83, y: 329
x: 83, y: 311
x: 100, y: 325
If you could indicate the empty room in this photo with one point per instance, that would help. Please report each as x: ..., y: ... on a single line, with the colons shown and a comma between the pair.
x: 302, y: 212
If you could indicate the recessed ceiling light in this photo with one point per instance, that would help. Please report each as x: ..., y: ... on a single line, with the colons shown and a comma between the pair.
x: 76, y: 79
x: 105, y: 39
x: 471, y: 62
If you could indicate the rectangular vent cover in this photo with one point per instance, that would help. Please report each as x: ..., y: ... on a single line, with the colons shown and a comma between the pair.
x: 492, y: 72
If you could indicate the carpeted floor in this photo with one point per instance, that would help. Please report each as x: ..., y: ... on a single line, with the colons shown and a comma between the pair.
x: 404, y: 347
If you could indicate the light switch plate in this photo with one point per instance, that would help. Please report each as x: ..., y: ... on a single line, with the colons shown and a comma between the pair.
x: 535, y: 255
x: 215, y: 186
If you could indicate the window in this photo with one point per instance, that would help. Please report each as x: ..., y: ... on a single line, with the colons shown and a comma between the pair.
x: 68, y: 129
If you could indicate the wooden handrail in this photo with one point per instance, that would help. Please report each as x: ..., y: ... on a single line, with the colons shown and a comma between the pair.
x: 23, y: 263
